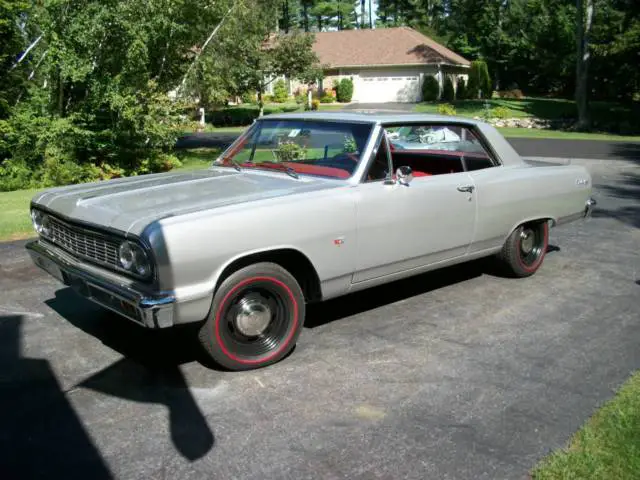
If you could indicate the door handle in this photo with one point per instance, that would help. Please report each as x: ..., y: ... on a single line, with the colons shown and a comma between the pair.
x: 466, y: 188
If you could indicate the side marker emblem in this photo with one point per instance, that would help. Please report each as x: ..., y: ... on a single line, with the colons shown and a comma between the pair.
x: 338, y: 241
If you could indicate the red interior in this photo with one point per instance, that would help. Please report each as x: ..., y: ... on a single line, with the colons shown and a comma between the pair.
x: 305, y: 168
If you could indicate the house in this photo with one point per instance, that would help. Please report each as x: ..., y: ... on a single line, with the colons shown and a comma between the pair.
x: 385, y: 64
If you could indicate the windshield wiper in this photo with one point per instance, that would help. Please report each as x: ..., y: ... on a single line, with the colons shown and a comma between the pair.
x: 288, y: 170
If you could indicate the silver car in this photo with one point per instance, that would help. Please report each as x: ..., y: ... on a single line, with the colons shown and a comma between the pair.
x: 299, y: 209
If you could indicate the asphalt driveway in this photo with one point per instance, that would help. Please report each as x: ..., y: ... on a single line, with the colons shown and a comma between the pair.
x: 454, y: 374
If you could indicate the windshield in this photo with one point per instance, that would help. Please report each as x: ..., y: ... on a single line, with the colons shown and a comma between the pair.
x: 307, y: 147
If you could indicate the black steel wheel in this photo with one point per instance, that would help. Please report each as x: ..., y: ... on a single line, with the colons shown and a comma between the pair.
x: 256, y: 318
x: 525, y: 249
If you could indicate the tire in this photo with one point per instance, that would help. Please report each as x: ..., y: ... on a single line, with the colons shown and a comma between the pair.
x: 525, y: 249
x: 256, y: 318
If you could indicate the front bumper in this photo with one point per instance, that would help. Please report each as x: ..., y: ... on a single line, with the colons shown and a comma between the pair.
x: 147, y: 309
x: 589, y: 206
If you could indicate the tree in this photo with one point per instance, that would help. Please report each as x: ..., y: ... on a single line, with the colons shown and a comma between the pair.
x: 583, y: 28
x: 479, y: 80
x: 248, y: 56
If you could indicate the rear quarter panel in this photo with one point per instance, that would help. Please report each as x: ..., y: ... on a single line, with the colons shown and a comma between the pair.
x: 510, y: 195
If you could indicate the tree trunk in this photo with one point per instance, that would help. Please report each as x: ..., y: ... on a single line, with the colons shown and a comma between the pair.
x: 363, y: 22
x: 582, y: 60
x: 260, y: 102
x: 305, y: 14
x: 370, y: 15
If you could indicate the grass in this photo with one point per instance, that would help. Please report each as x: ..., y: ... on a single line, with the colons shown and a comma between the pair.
x: 15, y: 222
x: 607, y: 116
x: 607, y: 447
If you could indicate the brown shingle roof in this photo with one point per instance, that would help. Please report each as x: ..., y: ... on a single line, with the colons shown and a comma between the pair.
x: 382, y: 46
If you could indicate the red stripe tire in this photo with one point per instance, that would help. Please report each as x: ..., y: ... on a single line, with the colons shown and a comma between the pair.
x: 525, y: 249
x: 256, y: 317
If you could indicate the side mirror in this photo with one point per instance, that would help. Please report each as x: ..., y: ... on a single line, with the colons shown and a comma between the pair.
x: 404, y: 175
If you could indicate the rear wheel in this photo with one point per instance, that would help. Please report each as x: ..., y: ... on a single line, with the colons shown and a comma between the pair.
x: 525, y: 249
x: 256, y: 318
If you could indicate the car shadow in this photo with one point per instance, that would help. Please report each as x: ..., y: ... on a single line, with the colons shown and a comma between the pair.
x: 149, y: 371
x: 319, y: 314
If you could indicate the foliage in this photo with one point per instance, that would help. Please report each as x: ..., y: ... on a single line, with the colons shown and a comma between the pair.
x: 289, y: 151
x: 301, y: 99
x: 345, y: 90
x: 280, y: 91
x: 479, y: 80
x: 350, y: 145
x: 515, y: 93
x: 315, y: 104
x: 91, y: 99
x: 448, y: 93
x: 461, y: 89
x: 242, y: 115
x: 249, y: 97
x: 499, y: 112
x: 446, y: 109
x: 430, y: 89
x: 327, y: 99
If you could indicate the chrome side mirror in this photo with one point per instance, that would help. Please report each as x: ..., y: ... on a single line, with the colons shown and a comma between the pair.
x: 404, y: 175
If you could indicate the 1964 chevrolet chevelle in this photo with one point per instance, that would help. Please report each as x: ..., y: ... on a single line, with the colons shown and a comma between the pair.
x: 299, y: 209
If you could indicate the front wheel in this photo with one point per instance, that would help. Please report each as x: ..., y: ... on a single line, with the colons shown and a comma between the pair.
x: 256, y: 318
x: 525, y: 249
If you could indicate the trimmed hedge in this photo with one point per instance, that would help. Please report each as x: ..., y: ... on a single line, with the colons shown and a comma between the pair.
x: 345, y: 90
x: 448, y: 93
x: 240, y: 116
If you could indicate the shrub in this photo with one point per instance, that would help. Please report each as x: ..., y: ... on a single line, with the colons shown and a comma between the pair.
x: 446, y: 109
x: 249, y: 97
x: 280, y: 91
x: 300, y: 99
x: 461, y: 89
x: 315, y: 104
x: 430, y: 89
x: 500, y: 112
x: 345, y: 90
x: 479, y: 80
x: 327, y: 99
x: 515, y: 93
x: 448, y: 93
x: 290, y: 151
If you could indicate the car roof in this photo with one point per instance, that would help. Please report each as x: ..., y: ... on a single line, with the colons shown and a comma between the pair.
x: 370, y: 117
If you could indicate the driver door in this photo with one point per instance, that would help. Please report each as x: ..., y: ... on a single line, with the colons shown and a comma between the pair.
x: 405, y: 227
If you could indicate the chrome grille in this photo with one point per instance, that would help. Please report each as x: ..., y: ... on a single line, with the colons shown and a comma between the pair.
x: 84, y: 243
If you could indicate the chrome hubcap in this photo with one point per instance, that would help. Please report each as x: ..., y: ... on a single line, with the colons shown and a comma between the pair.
x: 526, y: 241
x: 254, y: 316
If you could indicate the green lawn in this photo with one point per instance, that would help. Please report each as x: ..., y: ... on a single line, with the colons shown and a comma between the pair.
x: 15, y: 222
x: 606, y: 116
x: 607, y: 447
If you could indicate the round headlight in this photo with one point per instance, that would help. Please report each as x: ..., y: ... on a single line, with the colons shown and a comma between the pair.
x: 127, y: 255
x: 46, y: 225
x: 134, y: 259
x: 36, y: 219
x: 40, y: 222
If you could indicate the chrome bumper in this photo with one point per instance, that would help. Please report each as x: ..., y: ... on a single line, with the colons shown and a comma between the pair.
x: 148, y: 310
x: 588, y: 208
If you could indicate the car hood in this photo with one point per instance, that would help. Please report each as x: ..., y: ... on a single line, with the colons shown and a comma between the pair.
x: 130, y: 204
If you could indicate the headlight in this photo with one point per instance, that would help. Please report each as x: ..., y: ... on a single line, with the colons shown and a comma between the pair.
x: 134, y: 259
x: 41, y: 222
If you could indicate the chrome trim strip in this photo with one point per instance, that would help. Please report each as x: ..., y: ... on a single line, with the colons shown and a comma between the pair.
x: 156, y: 310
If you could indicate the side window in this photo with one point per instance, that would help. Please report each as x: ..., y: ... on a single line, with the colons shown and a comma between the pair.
x: 436, y: 149
x: 379, y: 166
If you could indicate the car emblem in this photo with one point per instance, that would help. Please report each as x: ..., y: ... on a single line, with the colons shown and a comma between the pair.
x: 582, y: 181
x: 338, y: 241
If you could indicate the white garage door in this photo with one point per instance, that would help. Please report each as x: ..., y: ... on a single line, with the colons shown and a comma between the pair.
x: 384, y: 87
